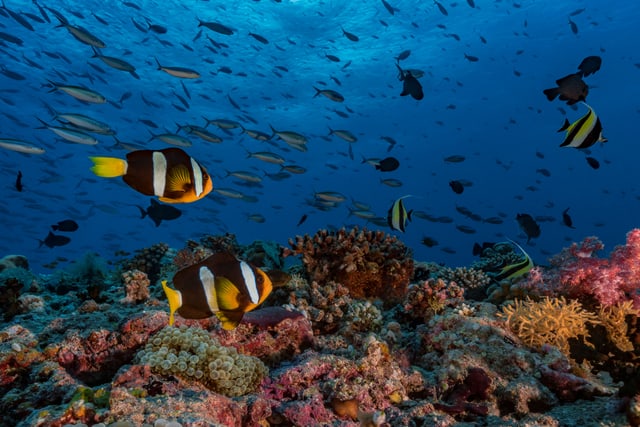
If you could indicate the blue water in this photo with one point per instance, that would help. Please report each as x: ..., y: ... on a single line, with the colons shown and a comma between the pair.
x: 481, y: 110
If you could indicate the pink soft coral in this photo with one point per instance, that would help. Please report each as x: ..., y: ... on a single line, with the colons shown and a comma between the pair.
x: 577, y: 273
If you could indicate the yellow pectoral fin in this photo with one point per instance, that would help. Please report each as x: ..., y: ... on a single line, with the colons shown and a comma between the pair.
x: 108, y: 167
x: 227, y: 294
x: 178, y: 179
x: 175, y: 301
x: 229, y: 319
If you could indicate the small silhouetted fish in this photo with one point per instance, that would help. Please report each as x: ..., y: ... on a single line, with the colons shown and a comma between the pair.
x: 528, y: 225
x: 456, y: 158
x: 349, y: 35
x: 303, y: 218
x: 410, y: 85
x: 53, y: 240
x: 471, y: 58
x: 19, y: 185
x: 566, y: 219
x: 574, y: 27
x: 589, y: 65
x: 159, y: 212
x: 544, y: 172
x: 456, y: 186
x: 66, y: 225
x: 403, y: 55
x: 332, y: 58
x: 441, y: 8
x: 259, y: 38
x: 387, y: 6
x: 388, y: 164
x: 429, y: 242
x: 466, y: 229
x: 571, y: 88
x: 594, y: 163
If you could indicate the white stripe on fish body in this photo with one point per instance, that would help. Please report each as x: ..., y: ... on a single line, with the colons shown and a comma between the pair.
x: 85, y: 36
x: 250, y: 282
x: 72, y: 135
x: 173, y: 139
x: 159, y: 162
x: 20, y: 146
x: 208, y: 283
x: 82, y: 93
x: 86, y: 123
x: 198, y: 180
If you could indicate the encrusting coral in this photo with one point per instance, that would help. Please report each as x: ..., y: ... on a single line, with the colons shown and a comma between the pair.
x: 191, y: 353
x: 136, y: 286
x: 368, y: 263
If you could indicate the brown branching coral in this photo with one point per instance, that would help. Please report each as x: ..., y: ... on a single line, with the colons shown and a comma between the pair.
x: 148, y: 260
x: 368, y: 263
x: 614, y: 319
x: 552, y: 321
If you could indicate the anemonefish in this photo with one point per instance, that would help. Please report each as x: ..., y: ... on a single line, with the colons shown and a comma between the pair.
x: 584, y: 132
x: 398, y: 216
x: 222, y: 285
x: 170, y: 174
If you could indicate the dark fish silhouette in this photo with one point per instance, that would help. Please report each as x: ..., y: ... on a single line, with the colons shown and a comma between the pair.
x: 66, y: 225
x: 388, y: 164
x: 159, y: 212
x: 528, y: 225
x: 566, y: 219
x: 589, y: 65
x: 19, y: 185
x: 53, y: 240
x: 411, y: 85
x: 571, y: 88
x: 456, y: 186
x: 303, y: 218
x: 593, y: 162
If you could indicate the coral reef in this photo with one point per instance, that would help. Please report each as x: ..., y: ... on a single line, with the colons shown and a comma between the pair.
x: 430, y: 297
x: 192, y: 354
x: 551, y: 321
x: 576, y: 273
x: 136, y: 287
x: 368, y: 263
x: 148, y: 260
x: 14, y: 261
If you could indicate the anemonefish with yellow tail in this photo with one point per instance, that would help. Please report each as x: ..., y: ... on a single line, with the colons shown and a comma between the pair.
x: 222, y: 285
x: 170, y: 174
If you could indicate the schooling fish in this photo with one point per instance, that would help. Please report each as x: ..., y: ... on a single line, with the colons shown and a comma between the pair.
x: 528, y: 225
x: 398, y: 216
x: 589, y: 65
x: 170, y: 174
x: 53, y: 240
x: 593, y: 162
x: 387, y: 164
x: 566, y: 219
x: 456, y: 186
x: 410, y: 85
x: 65, y: 225
x: 19, y: 185
x: 158, y: 212
x: 571, y: 88
x: 584, y: 132
x: 303, y: 218
x: 222, y: 285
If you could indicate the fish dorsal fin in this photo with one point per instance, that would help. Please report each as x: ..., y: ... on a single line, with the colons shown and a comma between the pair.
x: 178, y: 179
x: 565, y: 125
x: 229, y: 319
x: 227, y: 294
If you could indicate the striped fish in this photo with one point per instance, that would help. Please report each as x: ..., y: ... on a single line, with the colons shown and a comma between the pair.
x: 517, y: 269
x: 584, y: 132
x: 398, y: 216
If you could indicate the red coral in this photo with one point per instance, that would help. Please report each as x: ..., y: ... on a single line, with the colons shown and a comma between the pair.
x: 577, y: 273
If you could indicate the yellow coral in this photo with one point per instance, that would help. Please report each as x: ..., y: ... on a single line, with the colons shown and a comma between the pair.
x: 614, y: 320
x: 551, y: 321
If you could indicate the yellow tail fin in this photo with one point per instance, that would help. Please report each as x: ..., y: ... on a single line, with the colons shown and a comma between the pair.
x: 175, y: 301
x: 108, y: 167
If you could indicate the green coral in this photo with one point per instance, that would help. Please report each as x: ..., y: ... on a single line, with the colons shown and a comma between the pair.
x: 192, y: 354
